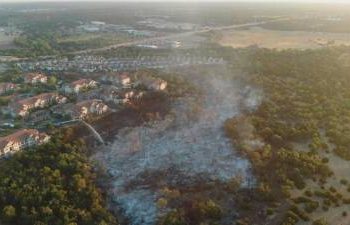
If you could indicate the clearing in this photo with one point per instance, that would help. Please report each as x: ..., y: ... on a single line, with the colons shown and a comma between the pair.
x: 6, y: 41
x: 280, y: 39
x: 189, y: 144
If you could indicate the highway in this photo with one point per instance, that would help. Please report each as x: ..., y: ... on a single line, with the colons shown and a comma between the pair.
x: 143, y: 41
x: 174, y: 36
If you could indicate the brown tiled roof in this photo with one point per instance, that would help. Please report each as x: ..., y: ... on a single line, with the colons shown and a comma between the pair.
x: 81, y: 82
x: 33, y: 75
x: 7, y: 85
x: 87, y: 103
x: 30, y: 101
x: 33, y: 99
x: 26, y: 101
x: 46, y: 95
x: 17, y: 136
x: 124, y: 75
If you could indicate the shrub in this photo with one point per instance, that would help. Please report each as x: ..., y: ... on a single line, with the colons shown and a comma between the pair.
x: 308, y: 193
x: 269, y: 211
x: 332, y: 189
x: 302, y: 215
x: 327, y: 202
x: 302, y: 199
x: 325, y: 160
x: 344, y: 181
x: 311, y: 206
x: 292, y: 215
x: 162, y: 202
x: 320, y: 222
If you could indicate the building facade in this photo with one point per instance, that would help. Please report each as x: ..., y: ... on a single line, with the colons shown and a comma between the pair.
x: 77, y: 86
x: 20, y: 140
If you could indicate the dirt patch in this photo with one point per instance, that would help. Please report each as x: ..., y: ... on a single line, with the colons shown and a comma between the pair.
x: 281, y: 39
x: 340, y: 168
x: 6, y: 41
x: 153, y: 106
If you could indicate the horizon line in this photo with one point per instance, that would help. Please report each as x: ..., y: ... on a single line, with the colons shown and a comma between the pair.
x: 181, y: 1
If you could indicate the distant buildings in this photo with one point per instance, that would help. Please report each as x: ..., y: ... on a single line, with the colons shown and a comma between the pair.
x: 117, y: 96
x: 24, y: 106
x: 88, y: 102
x: 82, y: 109
x: 89, y: 107
x: 120, y: 79
x: 109, y: 94
x: 91, y: 28
x: 39, y: 116
x: 151, y: 83
x: 34, y: 78
x: 162, y: 24
x: 91, y: 64
x: 77, y: 86
x: 98, y: 23
x: 20, y: 140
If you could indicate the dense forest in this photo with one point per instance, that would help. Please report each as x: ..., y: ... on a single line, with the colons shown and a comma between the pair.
x: 302, y: 121
x: 53, y: 184
x: 293, y: 139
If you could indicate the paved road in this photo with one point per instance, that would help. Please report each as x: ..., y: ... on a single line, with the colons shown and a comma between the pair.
x: 175, y: 36
x: 143, y: 41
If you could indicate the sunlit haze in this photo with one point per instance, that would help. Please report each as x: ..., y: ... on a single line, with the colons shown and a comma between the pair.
x: 174, y: 112
x: 276, y: 1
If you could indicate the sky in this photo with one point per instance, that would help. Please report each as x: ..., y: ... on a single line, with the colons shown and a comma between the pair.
x: 278, y: 1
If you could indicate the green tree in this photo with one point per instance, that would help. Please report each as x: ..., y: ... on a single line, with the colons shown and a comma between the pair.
x: 9, y: 212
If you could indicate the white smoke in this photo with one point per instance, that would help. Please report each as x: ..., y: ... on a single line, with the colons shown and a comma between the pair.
x: 177, y: 143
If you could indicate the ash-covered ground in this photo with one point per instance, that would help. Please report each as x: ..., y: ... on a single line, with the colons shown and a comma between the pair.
x: 189, y: 144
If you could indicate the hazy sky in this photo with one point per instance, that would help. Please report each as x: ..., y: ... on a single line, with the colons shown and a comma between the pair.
x: 303, y: 1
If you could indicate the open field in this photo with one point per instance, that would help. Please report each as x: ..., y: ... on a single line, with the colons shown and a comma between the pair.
x: 340, y: 168
x: 280, y: 39
x: 334, y: 214
x: 92, y: 37
x: 80, y: 37
x: 6, y: 41
x: 3, y: 67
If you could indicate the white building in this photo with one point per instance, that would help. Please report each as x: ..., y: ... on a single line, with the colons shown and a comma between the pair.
x: 76, y: 86
x: 20, y: 140
x: 86, y: 108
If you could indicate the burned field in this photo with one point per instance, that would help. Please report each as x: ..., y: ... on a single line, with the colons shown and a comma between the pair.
x: 177, y: 150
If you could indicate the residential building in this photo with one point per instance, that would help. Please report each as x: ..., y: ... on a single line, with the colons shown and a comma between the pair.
x: 35, y: 78
x: 24, y: 106
x: 86, y: 108
x: 151, y: 83
x: 116, y: 95
x: 109, y: 94
x: 63, y: 109
x: 77, y: 86
x: 89, y: 95
x: 120, y: 79
x: 20, y: 140
x: 39, y: 116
